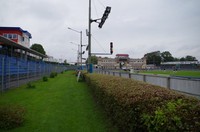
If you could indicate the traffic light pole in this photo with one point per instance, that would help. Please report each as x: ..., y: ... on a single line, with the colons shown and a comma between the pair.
x: 104, y: 17
x: 89, y: 36
x: 89, y: 40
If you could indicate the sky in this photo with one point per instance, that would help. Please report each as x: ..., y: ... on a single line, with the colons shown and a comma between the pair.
x: 135, y: 27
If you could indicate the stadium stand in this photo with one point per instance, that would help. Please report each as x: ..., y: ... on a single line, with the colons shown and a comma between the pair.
x: 181, y: 65
x: 20, y: 65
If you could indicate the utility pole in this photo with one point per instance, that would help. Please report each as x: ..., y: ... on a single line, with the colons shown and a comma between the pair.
x: 81, y: 47
x: 102, y: 21
x: 89, y: 36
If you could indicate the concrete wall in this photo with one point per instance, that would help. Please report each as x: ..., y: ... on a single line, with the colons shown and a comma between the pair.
x: 185, y: 85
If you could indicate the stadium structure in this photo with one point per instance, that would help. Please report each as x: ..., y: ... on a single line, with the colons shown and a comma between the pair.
x: 18, y: 63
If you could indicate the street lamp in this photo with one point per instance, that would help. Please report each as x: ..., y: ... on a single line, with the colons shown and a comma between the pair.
x: 80, y: 41
x: 78, y: 57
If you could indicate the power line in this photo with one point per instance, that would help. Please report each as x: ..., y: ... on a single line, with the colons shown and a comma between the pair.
x: 95, y: 9
x: 98, y: 43
x: 102, y: 4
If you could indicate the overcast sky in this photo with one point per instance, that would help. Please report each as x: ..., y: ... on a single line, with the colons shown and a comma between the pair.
x: 135, y: 27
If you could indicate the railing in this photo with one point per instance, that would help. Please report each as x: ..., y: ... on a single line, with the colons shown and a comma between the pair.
x: 189, y: 86
x: 15, y: 71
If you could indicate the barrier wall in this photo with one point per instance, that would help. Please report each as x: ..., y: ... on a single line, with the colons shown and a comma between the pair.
x: 189, y: 86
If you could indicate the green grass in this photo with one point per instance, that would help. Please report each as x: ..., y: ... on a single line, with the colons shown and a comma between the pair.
x: 173, y: 73
x: 59, y: 105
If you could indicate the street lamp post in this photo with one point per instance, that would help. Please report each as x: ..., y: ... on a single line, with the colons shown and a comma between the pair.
x: 78, y: 52
x: 80, y: 42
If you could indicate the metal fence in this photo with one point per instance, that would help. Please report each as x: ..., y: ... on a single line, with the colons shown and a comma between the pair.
x: 190, y: 86
x: 15, y: 71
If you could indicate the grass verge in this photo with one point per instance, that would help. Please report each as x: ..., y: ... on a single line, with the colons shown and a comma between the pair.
x: 61, y: 104
x: 174, y: 73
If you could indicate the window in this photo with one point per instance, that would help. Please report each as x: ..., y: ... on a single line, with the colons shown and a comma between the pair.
x: 10, y: 36
x: 14, y: 36
x: 5, y: 35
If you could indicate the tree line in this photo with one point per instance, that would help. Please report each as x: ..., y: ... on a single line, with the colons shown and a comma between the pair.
x: 157, y: 57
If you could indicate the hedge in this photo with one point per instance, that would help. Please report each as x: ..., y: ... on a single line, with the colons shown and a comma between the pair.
x: 137, y: 106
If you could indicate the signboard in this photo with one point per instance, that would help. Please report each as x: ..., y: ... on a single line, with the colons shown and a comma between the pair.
x: 79, y: 73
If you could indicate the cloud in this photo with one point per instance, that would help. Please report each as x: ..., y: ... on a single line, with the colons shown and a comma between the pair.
x: 135, y: 27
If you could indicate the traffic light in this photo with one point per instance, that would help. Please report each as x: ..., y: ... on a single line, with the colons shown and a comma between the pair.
x: 111, y: 48
x: 105, y: 16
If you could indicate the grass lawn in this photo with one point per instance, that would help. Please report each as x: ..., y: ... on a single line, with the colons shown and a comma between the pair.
x: 59, y: 105
x: 174, y: 73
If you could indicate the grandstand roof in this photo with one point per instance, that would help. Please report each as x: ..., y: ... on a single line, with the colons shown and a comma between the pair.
x: 8, y: 42
x: 16, y: 28
x: 180, y: 62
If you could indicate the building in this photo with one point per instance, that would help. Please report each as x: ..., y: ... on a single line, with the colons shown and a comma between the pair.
x: 17, y: 35
x: 184, y: 65
x: 106, y: 63
x: 121, y: 61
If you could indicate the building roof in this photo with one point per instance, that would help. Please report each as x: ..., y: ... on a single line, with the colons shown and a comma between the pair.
x: 8, y: 42
x: 16, y: 28
x: 122, y: 55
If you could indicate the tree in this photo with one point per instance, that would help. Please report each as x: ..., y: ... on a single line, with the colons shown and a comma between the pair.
x: 39, y: 48
x: 94, y: 60
x: 65, y: 61
x: 176, y: 59
x: 167, y: 56
x: 190, y: 58
x: 182, y: 59
x: 153, y: 58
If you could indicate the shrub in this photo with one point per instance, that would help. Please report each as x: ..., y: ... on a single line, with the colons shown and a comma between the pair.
x: 30, y: 85
x: 11, y: 116
x: 45, y: 79
x: 173, y: 115
x: 53, y: 74
x: 138, y: 106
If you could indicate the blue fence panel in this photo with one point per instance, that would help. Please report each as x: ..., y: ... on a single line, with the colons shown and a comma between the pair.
x: 15, y: 71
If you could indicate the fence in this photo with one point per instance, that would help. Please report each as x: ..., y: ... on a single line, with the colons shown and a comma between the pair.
x: 189, y: 86
x: 15, y: 71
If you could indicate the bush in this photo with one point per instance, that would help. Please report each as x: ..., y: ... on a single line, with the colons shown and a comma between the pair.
x: 138, y: 106
x: 45, y: 79
x: 53, y: 74
x: 174, y: 115
x: 30, y: 85
x: 11, y: 116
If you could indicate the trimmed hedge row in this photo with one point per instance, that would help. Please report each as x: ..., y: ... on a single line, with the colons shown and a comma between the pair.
x: 138, y: 106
